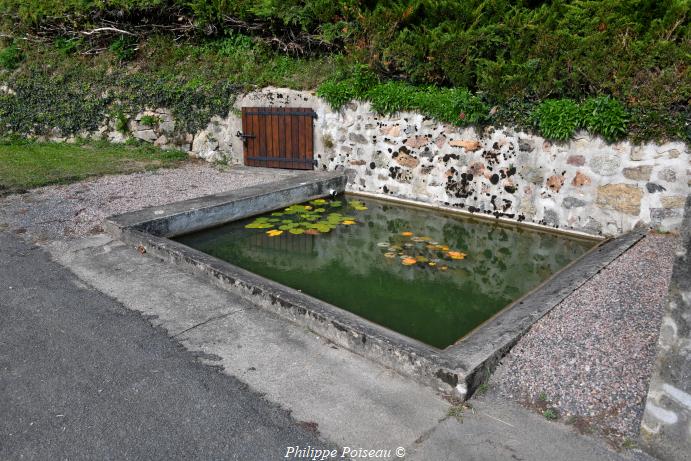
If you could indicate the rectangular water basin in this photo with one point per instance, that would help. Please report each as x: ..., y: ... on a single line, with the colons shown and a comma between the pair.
x: 429, y: 275
x: 434, y: 294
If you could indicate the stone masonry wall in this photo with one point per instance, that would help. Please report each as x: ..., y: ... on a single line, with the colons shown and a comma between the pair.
x: 585, y: 184
x: 666, y: 425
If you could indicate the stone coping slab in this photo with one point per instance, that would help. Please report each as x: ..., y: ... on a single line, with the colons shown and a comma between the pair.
x: 456, y: 370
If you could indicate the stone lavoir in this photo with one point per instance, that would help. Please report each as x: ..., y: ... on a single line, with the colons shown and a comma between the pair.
x: 585, y: 184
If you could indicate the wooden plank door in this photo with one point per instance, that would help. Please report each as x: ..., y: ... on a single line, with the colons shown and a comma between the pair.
x: 278, y: 137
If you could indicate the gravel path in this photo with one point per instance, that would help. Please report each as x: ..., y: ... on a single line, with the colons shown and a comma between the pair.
x: 591, y: 357
x: 75, y: 210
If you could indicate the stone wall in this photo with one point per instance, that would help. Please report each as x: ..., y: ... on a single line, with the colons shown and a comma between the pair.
x: 666, y: 425
x: 585, y: 184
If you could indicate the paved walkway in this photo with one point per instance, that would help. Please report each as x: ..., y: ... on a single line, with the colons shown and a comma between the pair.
x: 81, y: 377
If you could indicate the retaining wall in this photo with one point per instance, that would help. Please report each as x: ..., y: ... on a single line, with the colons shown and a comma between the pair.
x: 585, y: 184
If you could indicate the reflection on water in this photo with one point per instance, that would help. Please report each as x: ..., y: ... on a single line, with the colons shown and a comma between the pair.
x: 347, y: 267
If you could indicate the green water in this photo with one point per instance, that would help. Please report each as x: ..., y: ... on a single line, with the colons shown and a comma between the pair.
x: 362, y: 267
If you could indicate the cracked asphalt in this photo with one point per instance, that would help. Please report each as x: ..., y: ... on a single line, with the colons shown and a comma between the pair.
x: 82, y: 377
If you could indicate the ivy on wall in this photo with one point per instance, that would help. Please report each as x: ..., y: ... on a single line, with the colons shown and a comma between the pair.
x: 75, y: 101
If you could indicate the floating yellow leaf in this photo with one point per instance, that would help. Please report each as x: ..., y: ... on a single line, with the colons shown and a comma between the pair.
x: 274, y: 233
x: 408, y: 261
x: 456, y: 255
x: 432, y: 263
x: 406, y: 234
x: 443, y: 268
x: 348, y: 222
x: 390, y: 255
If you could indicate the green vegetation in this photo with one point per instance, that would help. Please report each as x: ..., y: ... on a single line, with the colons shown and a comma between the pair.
x: 550, y: 414
x: 629, y: 444
x: 614, y: 67
x: 25, y: 164
x: 482, y: 389
x: 10, y: 57
x: 456, y: 411
x: 149, y: 120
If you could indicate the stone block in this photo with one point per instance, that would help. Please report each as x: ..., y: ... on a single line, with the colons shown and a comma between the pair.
x: 651, y: 187
x: 406, y: 160
x: 667, y: 174
x: 573, y: 202
x: 673, y: 201
x: 605, y: 165
x: 415, y: 142
x: 580, y: 179
x: 532, y: 174
x: 620, y: 197
x: 467, y: 144
x: 555, y: 182
x: 357, y: 138
x: 577, y: 160
x: 639, y: 173
x: 145, y: 135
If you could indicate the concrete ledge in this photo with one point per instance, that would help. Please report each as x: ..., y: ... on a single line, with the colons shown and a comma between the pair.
x: 457, y: 370
x: 213, y: 210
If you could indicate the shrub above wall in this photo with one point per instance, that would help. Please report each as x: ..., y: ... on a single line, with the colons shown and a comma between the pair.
x: 555, y: 119
x: 510, y: 56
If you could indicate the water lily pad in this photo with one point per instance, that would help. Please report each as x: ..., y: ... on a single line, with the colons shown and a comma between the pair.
x: 357, y: 205
x: 319, y: 201
x: 259, y: 225
x: 296, y: 231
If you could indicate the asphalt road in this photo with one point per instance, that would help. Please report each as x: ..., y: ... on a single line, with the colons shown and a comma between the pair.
x: 81, y: 377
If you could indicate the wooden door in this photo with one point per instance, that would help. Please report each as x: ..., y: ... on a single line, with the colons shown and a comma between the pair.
x: 278, y: 137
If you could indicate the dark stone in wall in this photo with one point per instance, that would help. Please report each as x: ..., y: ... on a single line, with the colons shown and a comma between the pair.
x: 572, y: 202
x: 652, y: 188
x: 551, y: 218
